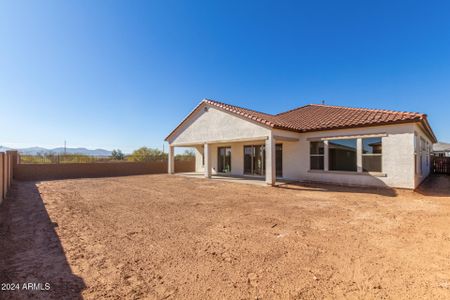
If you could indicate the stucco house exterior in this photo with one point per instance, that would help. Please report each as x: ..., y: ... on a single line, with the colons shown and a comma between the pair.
x: 312, y: 143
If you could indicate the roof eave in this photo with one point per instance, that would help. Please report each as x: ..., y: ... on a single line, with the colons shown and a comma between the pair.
x: 361, y: 125
x: 428, y: 128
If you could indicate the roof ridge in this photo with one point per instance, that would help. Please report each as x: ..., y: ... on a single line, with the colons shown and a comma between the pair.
x: 291, y: 110
x: 370, y: 109
x: 240, y: 107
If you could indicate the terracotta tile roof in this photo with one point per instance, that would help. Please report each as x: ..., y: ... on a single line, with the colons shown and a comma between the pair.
x: 315, y: 117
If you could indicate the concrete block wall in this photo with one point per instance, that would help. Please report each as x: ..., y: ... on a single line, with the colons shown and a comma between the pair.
x: 36, y: 172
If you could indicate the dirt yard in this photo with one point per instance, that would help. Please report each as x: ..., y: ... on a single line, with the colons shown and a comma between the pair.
x: 171, y: 237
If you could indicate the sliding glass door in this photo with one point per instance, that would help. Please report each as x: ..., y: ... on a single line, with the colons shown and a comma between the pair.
x: 224, y: 159
x: 255, y: 160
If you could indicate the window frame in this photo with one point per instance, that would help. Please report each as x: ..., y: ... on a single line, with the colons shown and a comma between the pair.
x: 371, y: 154
x: 356, y: 153
x: 359, y: 138
x: 317, y: 155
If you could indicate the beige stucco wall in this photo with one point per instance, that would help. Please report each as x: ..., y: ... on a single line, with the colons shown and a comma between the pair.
x: 237, y: 156
x: 423, y: 171
x: 216, y: 125
x: 397, y: 159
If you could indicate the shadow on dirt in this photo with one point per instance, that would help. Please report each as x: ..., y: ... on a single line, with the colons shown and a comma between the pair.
x: 30, y: 250
x: 323, y: 187
x: 436, y: 186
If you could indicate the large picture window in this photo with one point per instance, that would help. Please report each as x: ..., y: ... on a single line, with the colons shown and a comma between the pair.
x: 372, y: 154
x: 317, y: 153
x: 342, y: 155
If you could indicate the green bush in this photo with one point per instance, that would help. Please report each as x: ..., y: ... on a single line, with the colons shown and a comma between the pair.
x: 147, y: 154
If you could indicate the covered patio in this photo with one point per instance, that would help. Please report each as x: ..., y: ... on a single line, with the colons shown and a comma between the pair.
x: 254, y: 160
x: 227, y: 178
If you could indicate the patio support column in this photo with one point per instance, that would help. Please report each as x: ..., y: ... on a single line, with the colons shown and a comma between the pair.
x: 207, y: 155
x: 171, y: 161
x: 359, y: 150
x: 326, y: 159
x: 270, y: 160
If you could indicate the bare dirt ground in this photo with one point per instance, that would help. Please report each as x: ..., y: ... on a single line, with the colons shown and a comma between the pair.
x: 171, y: 237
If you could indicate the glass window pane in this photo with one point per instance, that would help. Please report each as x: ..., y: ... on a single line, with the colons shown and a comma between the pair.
x: 316, y: 148
x: 279, y: 159
x: 342, y: 155
x: 224, y: 159
x: 317, y: 163
x: 372, y: 145
x: 372, y: 163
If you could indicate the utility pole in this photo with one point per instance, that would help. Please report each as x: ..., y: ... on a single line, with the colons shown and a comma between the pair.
x: 65, y: 148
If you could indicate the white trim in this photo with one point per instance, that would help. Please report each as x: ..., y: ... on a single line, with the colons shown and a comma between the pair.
x: 250, y: 139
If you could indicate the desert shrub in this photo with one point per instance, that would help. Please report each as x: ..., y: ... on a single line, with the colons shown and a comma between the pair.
x: 186, y: 155
x: 147, y: 154
x: 117, y: 155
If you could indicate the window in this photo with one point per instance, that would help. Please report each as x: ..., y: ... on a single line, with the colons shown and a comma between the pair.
x: 255, y: 160
x: 416, y: 153
x: 342, y: 155
x: 372, y: 154
x: 224, y: 159
x: 316, y: 152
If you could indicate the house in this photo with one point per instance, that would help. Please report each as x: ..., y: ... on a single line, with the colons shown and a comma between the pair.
x: 312, y: 143
x: 441, y: 149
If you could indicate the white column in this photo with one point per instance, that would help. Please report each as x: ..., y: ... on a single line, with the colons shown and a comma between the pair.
x: 326, y: 158
x: 359, y: 150
x: 207, y: 154
x: 270, y: 160
x: 171, y: 164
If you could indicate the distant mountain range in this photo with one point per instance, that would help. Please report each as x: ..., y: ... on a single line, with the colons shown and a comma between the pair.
x: 60, y: 150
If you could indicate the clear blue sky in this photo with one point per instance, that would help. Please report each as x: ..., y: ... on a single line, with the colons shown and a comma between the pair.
x: 122, y: 74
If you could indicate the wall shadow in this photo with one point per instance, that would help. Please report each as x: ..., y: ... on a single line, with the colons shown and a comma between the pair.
x: 30, y: 249
x: 327, y: 187
x: 435, y: 185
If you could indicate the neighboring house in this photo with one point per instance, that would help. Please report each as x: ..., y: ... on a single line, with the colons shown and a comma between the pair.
x: 441, y: 149
x: 314, y: 143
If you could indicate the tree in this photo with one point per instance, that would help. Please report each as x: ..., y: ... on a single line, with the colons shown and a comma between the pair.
x: 117, y: 154
x: 147, y: 154
x: 186, y: 155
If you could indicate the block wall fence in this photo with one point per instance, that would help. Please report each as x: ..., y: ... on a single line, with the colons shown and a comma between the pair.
x: 35, y: 172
